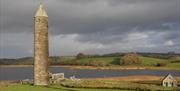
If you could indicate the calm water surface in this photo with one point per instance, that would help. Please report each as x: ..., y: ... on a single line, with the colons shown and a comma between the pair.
x: 19, y: 73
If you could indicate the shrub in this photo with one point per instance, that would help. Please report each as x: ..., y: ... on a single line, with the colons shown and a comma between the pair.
x: 130, y: 58
x: 161, y: 64
x: 80, y: 56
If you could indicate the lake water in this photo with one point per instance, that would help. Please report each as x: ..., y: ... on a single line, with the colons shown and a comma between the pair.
x: 20, y: 73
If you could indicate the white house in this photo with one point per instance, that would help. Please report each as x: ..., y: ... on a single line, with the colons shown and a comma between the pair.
x: 169, y: 81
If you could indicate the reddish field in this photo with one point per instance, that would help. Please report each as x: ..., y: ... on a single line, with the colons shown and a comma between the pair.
x: 133, y: 78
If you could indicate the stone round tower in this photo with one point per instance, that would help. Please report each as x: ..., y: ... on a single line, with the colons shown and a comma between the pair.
x: 41, y: 52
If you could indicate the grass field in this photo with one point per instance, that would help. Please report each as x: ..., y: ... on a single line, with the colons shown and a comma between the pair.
x: 50, y: 88
x: 173, y: 65
x: 93, y: 85
x: 126, y: 83
x: 148, y: 61
x: 113, y: 63
x: 117, y: 84
x: 105, y: 60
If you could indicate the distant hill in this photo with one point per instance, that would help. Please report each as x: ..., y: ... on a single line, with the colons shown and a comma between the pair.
x: 111, y: 59
x: 19, y: 61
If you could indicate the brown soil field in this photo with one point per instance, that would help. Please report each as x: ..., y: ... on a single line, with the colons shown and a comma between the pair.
x: 133, y: 78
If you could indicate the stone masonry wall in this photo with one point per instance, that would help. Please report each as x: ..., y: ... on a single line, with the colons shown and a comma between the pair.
x: 41, y: 51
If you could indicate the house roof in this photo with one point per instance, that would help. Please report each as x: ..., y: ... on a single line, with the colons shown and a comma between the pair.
x: 168, y: 75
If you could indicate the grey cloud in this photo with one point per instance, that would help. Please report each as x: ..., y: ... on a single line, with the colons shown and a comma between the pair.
x: 105, y: 23
x: 92, y: 19
x: 68, y: 17
x: 13, y: 51
x: 80, y: 1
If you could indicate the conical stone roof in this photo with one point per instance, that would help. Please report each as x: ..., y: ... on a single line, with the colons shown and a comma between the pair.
x: 41, y: 11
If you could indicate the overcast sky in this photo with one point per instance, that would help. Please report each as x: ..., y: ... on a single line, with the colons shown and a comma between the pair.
x: 92, y: 26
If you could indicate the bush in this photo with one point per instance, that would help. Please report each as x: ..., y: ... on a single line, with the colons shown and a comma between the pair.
x: 130, y: 58
x: 161, y: 64
x: 80, y: 56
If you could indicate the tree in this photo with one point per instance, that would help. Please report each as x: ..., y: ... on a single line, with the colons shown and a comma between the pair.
x: 130, y: 58
x: 80, y: 56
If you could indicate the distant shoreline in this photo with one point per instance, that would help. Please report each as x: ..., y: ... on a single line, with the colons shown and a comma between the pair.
x: 106, y: 67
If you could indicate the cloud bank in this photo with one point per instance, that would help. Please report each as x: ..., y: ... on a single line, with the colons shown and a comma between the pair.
x: 92, y: 26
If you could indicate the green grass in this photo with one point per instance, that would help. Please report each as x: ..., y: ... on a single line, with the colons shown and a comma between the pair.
x: 113, y: 62
x: 173, y: 65
x: 114, y: 84
x: 104, y: 59
x: 148, y: 61
x: 50, y: 88
x: 93, y: 85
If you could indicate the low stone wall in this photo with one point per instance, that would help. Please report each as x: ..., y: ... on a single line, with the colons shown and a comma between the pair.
x: 56, y: 78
